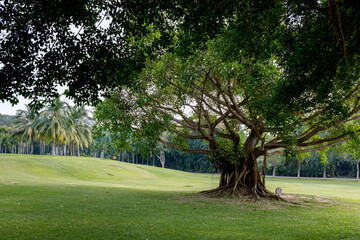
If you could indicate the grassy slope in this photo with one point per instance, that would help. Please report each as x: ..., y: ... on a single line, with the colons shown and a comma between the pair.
x: 97, y: 172
x: 45, y: 197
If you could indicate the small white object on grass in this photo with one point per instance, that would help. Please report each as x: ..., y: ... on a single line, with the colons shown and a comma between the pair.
x: 278, y: 191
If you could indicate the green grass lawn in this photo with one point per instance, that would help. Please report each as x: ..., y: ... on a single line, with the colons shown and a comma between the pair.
x: 53, y: 197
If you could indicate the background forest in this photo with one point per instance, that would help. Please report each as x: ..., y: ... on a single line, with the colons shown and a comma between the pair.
x: 14, y: 138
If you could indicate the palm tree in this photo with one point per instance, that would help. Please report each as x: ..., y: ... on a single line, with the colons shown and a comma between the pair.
x: 80, y: 128
x: 55, y: 124
x: 4, y: 138
x: 24, y: 126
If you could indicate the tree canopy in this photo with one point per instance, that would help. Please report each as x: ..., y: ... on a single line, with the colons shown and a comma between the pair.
x: 90, y: 45
x: 93, y: 46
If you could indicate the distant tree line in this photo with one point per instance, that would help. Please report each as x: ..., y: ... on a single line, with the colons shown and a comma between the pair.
x: 338, y: 164
x: 334, y: 162
x: 6, y: 120
x: 160, y: 155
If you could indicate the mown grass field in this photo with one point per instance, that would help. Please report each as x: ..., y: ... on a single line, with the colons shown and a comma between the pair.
x: 53, y: 197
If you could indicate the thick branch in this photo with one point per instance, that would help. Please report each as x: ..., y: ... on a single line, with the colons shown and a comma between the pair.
x: 203, y: 151
x: 223, y: 135
x: 239, y: 114
x: 321, y: 141
x: 341, y: 29
x: 184, y: 135
x: 323, y: 146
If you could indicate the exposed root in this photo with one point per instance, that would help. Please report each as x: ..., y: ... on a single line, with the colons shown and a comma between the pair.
x: 257, y: 191
x: 242, y: 179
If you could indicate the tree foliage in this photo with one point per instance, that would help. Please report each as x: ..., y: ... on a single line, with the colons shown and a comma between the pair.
x: 5, y: 136
x: 25, y: 123
x: 98, y: 45
x: 92, y: 45
x: 59, y: 123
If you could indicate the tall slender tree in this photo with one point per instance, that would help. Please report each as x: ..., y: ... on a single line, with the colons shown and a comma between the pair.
x: 25, y: 123
x: 55, y: 124
x: 80, y: 127
x: 4, y: 138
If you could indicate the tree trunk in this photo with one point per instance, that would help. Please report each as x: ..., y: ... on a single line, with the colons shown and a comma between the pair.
x: 264, y: 170
x: 64, y: 149
x: 32, y: 145
x: 53, y: 147
x: 78, y: 150
x: 162, y: 158
x: 324, y: 174
x: 241, y: 176
x: 274, y: 171
x: 241, y: 179
x: 299, y: 167
x: 357, y: 170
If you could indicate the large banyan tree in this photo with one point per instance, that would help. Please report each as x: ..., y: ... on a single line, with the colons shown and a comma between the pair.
x: 279, y: 79
x: 232, y: 105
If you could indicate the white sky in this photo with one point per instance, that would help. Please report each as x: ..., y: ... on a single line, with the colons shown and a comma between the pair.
x: 8, y: 109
